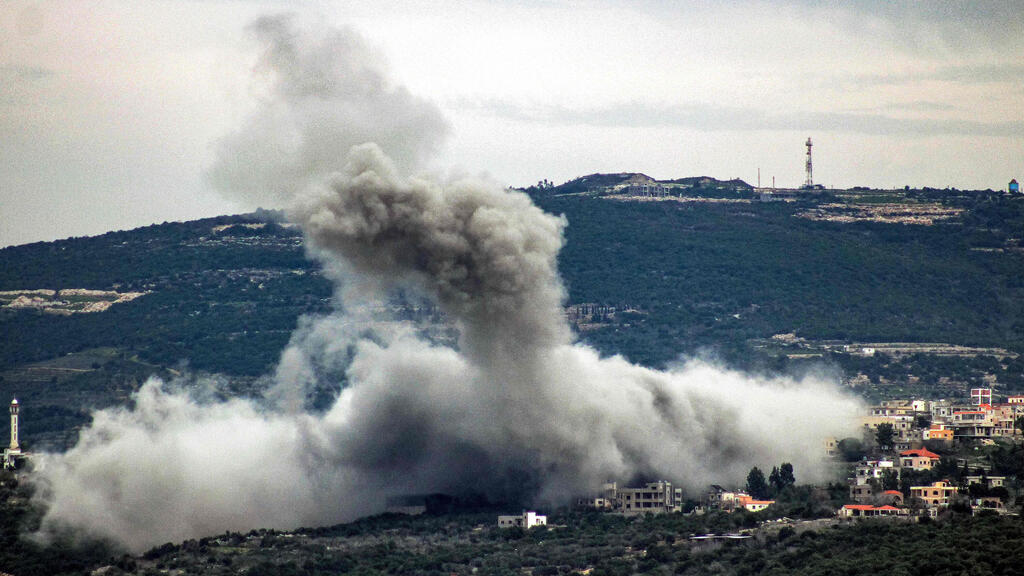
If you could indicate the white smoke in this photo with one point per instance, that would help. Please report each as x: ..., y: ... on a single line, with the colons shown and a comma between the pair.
x: 515, y: 410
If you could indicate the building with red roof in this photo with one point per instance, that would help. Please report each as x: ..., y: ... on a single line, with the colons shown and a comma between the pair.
x: 869, y: 511
x: 919, y: 459
x: 894, y: 497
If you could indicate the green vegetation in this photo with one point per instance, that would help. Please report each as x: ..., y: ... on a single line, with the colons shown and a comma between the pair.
x: 470, y: 543
x: 226, y: 293
x: 720, y: 275
x: 21, y: 555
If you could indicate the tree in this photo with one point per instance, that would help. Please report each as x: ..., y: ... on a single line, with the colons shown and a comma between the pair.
x: 852, y: 449
x: 756, y: 485
x: 883, y: 435
x: 890, y: 479
x: 786, y: 474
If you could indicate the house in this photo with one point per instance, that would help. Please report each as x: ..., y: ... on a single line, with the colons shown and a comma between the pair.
x: 892, y: 497
x: 1014, y: 187
x: 936, y: 495
x: 941, y: 410
x: 831, y: 447
x: 940, y: 432
x: 756, y: 505
x: 723, y: 499
x: 921, y: 406
x: 862, y: 493
x: 654, y: 498
x: 525, y: 520
x: 874, y: 469
x: 986, y: 481
x: 920, y: 459
x: 981, y: 396
x: 974, y: 423
x: 868, y: 511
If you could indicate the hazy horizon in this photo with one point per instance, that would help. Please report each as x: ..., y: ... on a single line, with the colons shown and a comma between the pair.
x: 113, y: 112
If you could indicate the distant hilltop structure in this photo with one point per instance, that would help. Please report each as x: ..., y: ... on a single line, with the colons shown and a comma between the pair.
x: 1014, y: 187
x: 635, y: 184
x: 13, y: 455
x: 809, y: 167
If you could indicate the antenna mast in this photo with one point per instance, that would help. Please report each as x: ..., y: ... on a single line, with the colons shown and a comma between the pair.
x: 810, y: 178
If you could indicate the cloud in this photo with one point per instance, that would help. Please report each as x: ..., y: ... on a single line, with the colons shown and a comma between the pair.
x: 709, y: 117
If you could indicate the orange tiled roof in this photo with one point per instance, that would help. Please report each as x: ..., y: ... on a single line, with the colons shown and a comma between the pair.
x: 923, y: 452
x: 868, y: 507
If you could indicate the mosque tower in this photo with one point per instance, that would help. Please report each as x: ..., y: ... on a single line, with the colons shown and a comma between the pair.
x: 14, y: 426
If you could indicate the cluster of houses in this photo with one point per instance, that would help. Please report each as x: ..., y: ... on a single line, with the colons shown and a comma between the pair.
x: 978, y: 419
x: 916, y: 424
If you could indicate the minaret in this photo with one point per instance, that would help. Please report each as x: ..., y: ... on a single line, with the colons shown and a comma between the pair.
x: 14, y: 426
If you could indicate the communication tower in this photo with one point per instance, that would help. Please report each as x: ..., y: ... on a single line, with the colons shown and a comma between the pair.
x: 810, y: 177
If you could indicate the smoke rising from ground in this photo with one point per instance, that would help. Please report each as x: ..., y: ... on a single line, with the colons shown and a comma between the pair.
x: 516, y: 410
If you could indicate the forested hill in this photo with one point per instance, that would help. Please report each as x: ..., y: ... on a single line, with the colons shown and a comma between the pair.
x: 651, y: 278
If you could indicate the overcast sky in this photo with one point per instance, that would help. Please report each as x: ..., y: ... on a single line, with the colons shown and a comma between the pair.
x: 111, y: 112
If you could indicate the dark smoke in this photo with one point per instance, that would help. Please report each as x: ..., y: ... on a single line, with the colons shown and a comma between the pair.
x: 514, y: 410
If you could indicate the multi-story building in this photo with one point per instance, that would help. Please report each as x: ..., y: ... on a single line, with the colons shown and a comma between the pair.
x: 981, y: 396
x: 986, y: 481
x: 938, y: 494
x: 868, y: 470
x: 973, y: 423
x: 862, y: 492
x: 654, y: 497
x: 941, y: 410
x: 920, y: 459
x: 831, y: 446
x: 940, y: 432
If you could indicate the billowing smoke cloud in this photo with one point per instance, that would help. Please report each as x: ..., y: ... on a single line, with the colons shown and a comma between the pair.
x: 515, y: 409
x: 322, y: 92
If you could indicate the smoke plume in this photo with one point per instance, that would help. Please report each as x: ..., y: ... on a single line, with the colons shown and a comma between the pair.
x: 321, y: 92
x: 514, y: 409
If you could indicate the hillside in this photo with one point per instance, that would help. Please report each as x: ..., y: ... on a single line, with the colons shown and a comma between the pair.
x: 766, y: 285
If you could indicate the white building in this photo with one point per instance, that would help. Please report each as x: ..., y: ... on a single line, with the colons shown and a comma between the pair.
x: 524, y: 520
x: 868, y: 470
x: 13, y: 453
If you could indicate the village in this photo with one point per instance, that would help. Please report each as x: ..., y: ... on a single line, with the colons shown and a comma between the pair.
x: 915, y: 458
